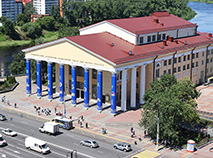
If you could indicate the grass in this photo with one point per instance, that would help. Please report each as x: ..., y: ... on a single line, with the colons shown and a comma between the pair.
x: 13, y: 43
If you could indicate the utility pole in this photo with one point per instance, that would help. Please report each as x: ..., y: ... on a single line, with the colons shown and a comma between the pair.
x: 157, y: 132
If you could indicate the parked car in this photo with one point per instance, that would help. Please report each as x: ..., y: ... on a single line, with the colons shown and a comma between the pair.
x: 122, y: 146
x: 2, y: 141
x: 2, y: 117
x: 9, y: 132
x: 89, y: 143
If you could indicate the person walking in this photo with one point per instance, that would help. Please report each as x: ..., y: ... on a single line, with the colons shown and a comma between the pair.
x: 86, y: 125
x: 15, y: 105
x: 81, y: 124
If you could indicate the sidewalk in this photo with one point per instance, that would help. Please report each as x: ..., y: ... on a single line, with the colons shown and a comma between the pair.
x: 118, y: 127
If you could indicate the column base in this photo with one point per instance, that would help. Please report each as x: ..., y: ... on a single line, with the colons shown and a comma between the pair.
x: 39, y: 97
x: 74, y: 105
x: 99, y: 109
x: 50, y: 99
x: 113, y: 112
x: 28, y: 95
x: 86, y: 106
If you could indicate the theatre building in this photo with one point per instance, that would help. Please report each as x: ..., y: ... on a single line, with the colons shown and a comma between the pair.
x: 114, y: 61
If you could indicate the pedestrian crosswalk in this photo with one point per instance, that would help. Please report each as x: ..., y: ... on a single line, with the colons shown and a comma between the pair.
x: 146, y: 154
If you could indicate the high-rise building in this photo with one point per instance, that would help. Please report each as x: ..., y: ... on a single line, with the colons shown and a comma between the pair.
x: 10, y: 9
x: 44, y: 6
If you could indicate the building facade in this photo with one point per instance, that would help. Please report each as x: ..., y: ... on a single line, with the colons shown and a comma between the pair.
x: 10, y: 9
x: 114, y: 61
x: 44, y: 6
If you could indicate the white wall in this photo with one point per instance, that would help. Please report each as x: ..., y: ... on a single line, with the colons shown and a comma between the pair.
x: 186, y: 32
x: 0, y: 8
x: 105, y: 26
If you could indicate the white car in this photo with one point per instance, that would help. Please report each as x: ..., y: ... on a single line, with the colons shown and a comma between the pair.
x: 2, y: 141
x: 9, y: 132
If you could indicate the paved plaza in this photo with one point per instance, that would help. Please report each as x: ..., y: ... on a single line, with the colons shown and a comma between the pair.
x: 118, y: 126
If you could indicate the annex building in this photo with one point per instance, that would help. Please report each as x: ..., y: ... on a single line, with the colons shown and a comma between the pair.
x: 114, y: 61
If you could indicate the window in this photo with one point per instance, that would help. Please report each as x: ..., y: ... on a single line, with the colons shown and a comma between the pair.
x: 169, y: 71
x: 170, y: 61
x: 184, y: 58
x: 157, y: 73
x: 164, y: 36
x: 165, y: 63
x: 193, y: 56
x: 164, y: 72
x: 153, y: 38
x: 211, y: 60
x: 184, y: 67
x: 178, y: 68
x: 149, y: 39
x: 187, y: 66
x: 208, y: 52
x: 188, y: 57
x: 175, y: 60
x: 80, y: 71
x: 202, y: 62
x: 159, y: 37
x: 207, y: 61
x: 174, y: 70
x: 141, y: 40
x: 193, y: 65
x: 137, y: 74
x: 203, y: 54
x: 197, y: 55
x: 94, y: 74
x: 80, y: 85
x: 179, y: 59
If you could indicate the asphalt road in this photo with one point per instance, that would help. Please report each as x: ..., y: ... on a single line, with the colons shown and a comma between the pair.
x: 60, y: 145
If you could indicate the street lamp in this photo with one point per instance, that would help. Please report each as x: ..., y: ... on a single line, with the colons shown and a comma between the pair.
x: 64, y: 110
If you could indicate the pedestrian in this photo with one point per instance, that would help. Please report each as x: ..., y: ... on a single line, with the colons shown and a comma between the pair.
x: 38, y: 112
x: 131, y: 129
x: 131, y: 135
x: 82, y: 118
x: 145, y: 133
x: 8, y: 102
x: 105, y: 131
x: 102, y: 130
x: 70, y: 117
x: 55, y: 109
x: 133, y: 132
x: 78, y: 121
x: 15, y: 105
x: 86, y: 125
x: 81, y: 124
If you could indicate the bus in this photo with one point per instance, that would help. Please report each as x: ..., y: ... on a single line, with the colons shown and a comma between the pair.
x: 63, y: 122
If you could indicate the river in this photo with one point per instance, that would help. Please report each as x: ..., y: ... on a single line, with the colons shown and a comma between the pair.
x: 204, y: 19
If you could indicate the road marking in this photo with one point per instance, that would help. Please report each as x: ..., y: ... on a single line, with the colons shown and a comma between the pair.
x: 10, y: 152
x: 3, y: 155
x: 93, y: 135
x: 58, y: 154
x: 105, y: 139
x: 82, y: 132
x: 100, y: 152
x: 186, y: 154
x: 75, y: 143
x: 16, y: 152
x: 24, y: 122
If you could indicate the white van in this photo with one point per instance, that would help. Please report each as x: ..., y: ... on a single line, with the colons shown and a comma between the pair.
x: 37, y: 145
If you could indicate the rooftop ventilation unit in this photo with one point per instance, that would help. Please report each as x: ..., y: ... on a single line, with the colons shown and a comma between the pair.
x: 156, y: 20
x: 210, y: 35
x: 112, y: 44
x: 185, y: 42
x: 130, y: 52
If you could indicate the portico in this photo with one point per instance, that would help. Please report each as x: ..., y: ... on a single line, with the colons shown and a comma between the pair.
x: 82, y: 74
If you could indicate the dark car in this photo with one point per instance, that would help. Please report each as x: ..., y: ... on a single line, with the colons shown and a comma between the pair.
x: 2, y: 117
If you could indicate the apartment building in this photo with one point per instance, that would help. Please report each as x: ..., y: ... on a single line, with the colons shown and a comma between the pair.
x: 114, y: 61
x: 44, y: 6
x: 10, y: 9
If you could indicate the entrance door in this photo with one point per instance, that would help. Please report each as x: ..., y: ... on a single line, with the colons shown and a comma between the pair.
x: 80, y: 90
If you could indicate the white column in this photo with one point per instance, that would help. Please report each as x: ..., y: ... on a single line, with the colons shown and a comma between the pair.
x: 133, y: 87
x: 142, y: 83
x: 123, y: 90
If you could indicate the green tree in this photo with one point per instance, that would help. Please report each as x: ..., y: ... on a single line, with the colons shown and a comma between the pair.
x: 28, y: 10
x: 18, y: 64
x: 174, y: 103
x: 32, y: 30
x: 68, y: 31
x: 9, y: 29
x: 22, y: 19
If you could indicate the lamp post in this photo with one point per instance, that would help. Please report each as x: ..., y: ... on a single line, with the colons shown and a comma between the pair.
x: 64, y: 110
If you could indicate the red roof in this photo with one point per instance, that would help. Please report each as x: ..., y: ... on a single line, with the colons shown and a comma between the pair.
x: 143, y: 25
x: 101, y: 44
x: 157, y: 22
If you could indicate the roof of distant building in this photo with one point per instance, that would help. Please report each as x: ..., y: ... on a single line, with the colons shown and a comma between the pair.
x: 157, y: 22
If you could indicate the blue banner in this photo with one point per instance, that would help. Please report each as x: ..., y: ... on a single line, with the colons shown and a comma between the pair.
x: 50, y: 82
x: 73, y: 90
x: 86, y: 88
x: 113, y: 94
x: 99, y: 91
x: 39, y: 88
x: 28, y: 73
x: 61, y: 86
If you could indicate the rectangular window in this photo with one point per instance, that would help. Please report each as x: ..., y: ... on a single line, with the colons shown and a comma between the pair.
x: 187, y: 66
x: 174, y: 70
x: 153, y: 38
x: 207, y: 61
x: 169, y: 71
x: 193, y: 56
x: 197, y: 55
x: 164, y: 72
x: 188, y: 57
x: 80, y: 71
x: 159, y: 37
x: 175, y: 60
x: 202, y: 62
x: 178, y: 68
x: 193, y: 65
x: 184, y: 58
x: 179, y: 59
x: 164, y: 36
x: 137, y: 74
x: 157, y: 73
x: 203, y: 54
x: 170, y: 61
x: 165, y: 63
x: 184, y: 67
x: 149, y: 39
x: 141, y: 40
x: 197, y: 64
x: 94, y: 74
